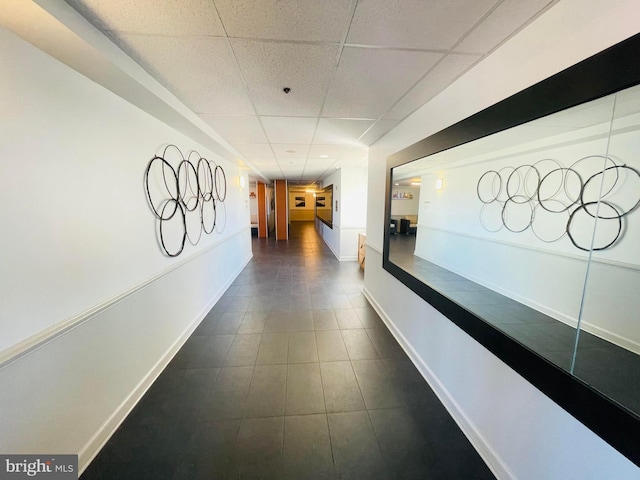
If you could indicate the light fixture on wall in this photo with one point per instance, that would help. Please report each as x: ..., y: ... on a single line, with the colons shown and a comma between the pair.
x: 242, y: 181
x: 439, y: 184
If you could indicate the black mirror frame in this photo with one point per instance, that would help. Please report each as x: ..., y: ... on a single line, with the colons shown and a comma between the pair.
x: 607, y: 72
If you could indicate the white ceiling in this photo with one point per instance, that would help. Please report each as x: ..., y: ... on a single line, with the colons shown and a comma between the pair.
x: 356, y: 68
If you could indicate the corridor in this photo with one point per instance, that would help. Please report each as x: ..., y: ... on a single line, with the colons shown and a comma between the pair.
x: 291, y: 375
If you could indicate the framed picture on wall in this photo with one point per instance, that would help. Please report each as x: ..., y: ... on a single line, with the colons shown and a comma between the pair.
x: 402, y: 195
x: 300, y: 202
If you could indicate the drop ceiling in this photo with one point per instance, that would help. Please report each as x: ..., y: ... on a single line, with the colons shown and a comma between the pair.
x: 355, y: 68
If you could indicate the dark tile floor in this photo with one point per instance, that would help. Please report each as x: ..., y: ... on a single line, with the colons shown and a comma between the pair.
x: 291, y: 375
x: 610, y: 369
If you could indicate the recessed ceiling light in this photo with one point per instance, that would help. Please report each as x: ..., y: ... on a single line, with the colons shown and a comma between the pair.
x: 324, y: 156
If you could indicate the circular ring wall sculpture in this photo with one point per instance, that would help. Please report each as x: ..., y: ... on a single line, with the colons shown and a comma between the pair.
x: 547, y: 189
x: 193, y: 191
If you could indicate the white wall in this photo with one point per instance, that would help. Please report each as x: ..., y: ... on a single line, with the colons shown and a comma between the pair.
x: 81, y: 266
x: 519, y: 431
x: 400, y: 207
x: 350, y: 191
x: 253, y: 202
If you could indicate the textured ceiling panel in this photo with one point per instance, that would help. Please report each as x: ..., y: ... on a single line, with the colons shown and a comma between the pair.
x: 237, y: 129
x: 503, y: 21
x: 340, y: 131
x: 290, y: 151
x: 184, y: 17
x: 324, y: 152
x: 289, y: 129
x: 268, y: 67
x: 426, y: 24
x: 437, y: 80
x: 308, y: 20
x: 198, y: 70
x: 253, y: 150
x: 229, y: 60
x: 316, y: 167
x: 363, y: 89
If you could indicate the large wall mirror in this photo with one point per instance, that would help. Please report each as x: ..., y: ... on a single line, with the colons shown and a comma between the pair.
x: 324, y: 206
x: 522, y: 225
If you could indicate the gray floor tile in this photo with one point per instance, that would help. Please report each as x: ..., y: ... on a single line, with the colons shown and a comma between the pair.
x: 369, y: 317
x: 358, y: 344
x: 324, y: 319
x: 408, y: 382
x: 300, y: 320
x: 267, y: 392
x: 227, y: 397
x: 376, y: 385
x: 213, y: 450
x: 347, y: 318
x: 244, y: 350
x: 253, y: 322
x: 307, y: 448
x: 258, y: 449
x: 355, y: 447
x: 339, y: 300
x: 341, y: 390
x: 302, y: 347
x: 384, y: 343
x: 304, y: 389
x: 214, y: 352
x: 228, y: 324
x: 274, y: 349
x: 331, y: 347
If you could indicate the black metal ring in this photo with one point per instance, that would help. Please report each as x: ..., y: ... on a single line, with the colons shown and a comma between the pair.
x: 584, y: 207
x: 184, y: 229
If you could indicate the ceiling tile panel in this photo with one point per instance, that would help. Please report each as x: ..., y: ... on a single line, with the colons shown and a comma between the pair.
x: 186, y: 17
x: 503, y: 21
x: 432, y: 24
x: 288, y: 150
x: 272, y: 173
x: 253, y: 150
x: 437, y: 80
x: 289, y: 129
x: 331, y: 151
x: 229, y: 60
x: 339, y: 131
x: 268, y: 67
x: 308, y: 20
x: 315, y: 168
x: 317, y: 174
x: 262, y: 162
x: 363, y: 89
x: 236, y: 129
x: 198, y: 70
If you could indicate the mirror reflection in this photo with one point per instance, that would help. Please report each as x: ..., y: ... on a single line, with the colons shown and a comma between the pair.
x: 324, y: 203
x: 536, y: 230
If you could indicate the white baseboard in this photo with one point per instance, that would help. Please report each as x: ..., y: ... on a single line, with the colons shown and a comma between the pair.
x: 108, y: 428
x: 484, y: 449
